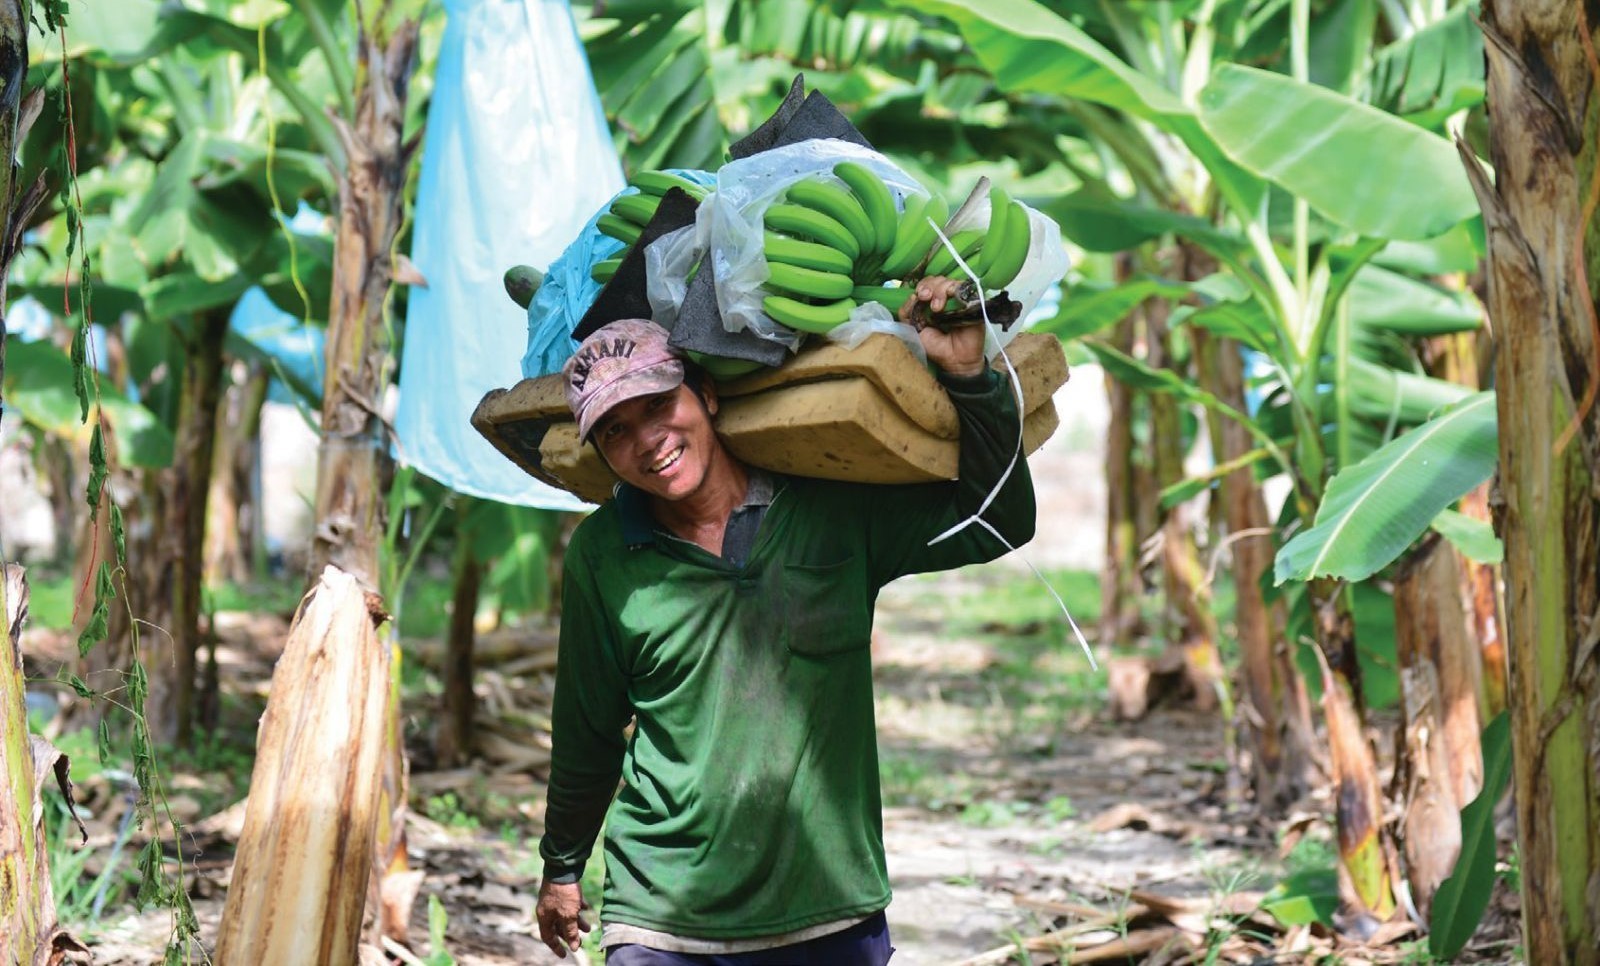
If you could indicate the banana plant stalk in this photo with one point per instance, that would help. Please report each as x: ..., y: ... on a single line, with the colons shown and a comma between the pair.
x: 1537, y: 208
x: 348, y: 532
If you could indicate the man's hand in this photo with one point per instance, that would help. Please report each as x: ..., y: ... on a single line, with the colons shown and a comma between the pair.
x: 560, y: 925
x: 958, y: 352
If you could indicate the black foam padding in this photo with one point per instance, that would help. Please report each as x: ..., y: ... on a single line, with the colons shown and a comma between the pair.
x: 699, y: 326
x: 624, y: 296
x: 819, y: 118
x: 766, y: 135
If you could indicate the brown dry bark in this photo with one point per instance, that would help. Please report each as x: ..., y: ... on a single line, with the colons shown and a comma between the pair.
x: 233, y: 525
x: 454, y: 738
x: 1366, y: 866
x: 1542, y: 268
x: 1190, y: 620
x: 1455, y: 358
x: 1440, y: 667
x: 1275, y: 712
x: 304, y: 859
x: 352, y: 459
x: 1119, y: 585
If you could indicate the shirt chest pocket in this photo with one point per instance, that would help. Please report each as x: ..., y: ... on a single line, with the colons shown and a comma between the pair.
x: 826, y: 610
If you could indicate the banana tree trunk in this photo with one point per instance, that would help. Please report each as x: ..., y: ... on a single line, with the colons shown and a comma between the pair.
x: 233, y: 527
x: 1366, y: 861
x: 27, y: 909
x: 301, y: 874
x: 1538, y: 212
x: 1119, y: 585
x: 1440, y: 667
x: 183, y: 532
x: 1454, y: 358
x: 29, y: 933
x: 454, y: 738
x: 1275, y: 713
x: 352, y: 457
x: 1191, y: 624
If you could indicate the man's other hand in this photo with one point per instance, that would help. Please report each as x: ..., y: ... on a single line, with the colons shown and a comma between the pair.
x: 958, y: 352
x: 561, y: 924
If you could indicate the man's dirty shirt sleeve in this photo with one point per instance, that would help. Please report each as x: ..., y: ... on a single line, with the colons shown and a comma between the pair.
x: 591, y: 712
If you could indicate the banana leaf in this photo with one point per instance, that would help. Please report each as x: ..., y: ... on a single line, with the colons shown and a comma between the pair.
x: 39, y: 385
x: 1388, y: 300
x: 1098, y: 223
x: 1373, y: 510
x: 1432, y: 74
x: 1030, y: 49
x: 1459, y: 904
x: 1387, y: 395
x: 1473, y: 537
x: 1324, y: 147
x: 1086, y: 310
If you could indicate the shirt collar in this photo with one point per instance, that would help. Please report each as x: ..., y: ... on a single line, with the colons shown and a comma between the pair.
x: 639, y: 524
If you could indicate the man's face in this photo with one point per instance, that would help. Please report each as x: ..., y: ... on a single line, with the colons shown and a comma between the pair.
x: 663, y: 443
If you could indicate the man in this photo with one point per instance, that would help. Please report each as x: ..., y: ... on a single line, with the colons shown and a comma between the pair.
x: 728, y: 613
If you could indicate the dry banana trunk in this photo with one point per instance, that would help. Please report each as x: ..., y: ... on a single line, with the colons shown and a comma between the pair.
x: 304, y: 859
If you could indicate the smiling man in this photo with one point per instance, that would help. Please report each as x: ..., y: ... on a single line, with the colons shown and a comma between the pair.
x: 727, y: 612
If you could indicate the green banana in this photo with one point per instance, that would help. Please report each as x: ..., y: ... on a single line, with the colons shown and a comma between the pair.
x: 638, y: 209
x: 722, y: 367
x: 794, y: 251
x: 891, y: 297
x: 813, y: 225
x: 999, y: 209
x: 1012, y: 250
x: 659, y: 183
x: 915, y: 235
x: 619, y: 228
x: 875, y: 200
x: 837, y: 203
x: 807, y: 282
x: 818, y: 319
x: 965, y: 242
x: 602, y: 271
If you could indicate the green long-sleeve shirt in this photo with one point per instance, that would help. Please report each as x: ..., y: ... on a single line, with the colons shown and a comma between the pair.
x: 750, y: 803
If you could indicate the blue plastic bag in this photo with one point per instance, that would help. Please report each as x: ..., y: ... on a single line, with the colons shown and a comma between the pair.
x: 517, y: 157
x: 568, y: 289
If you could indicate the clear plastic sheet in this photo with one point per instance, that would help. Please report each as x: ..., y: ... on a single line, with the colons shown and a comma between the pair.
x: 731, y: 224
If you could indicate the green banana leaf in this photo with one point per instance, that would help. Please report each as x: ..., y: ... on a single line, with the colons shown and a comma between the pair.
x: 1458, y: 250
x: 1304, y: 898
x: 658, y: 83
x: 1244, y: 320
x: 1473, y: 537
x: 1385, y: 395
x: 1373, y: 510
x: 1432, y: 74
x: 1031, y: 50
x: 1086, y: 310
x: 1341, y: 41
x: 38, y: 384
x: 1098, y: 223
x: 1397, y: 303
x: 1359, y: 167
x: 1459, y: 904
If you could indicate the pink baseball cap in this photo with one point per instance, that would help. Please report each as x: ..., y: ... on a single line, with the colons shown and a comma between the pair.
x: 617, y: 362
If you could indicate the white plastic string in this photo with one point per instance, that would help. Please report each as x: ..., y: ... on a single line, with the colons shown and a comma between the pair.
x: 1016, y: 392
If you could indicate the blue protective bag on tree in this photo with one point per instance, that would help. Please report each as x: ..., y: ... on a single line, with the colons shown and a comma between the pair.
x: 517, y: 159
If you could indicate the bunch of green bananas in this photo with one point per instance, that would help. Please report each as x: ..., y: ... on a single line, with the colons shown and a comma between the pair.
x: 629, y: 214
x: 833, y: 244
